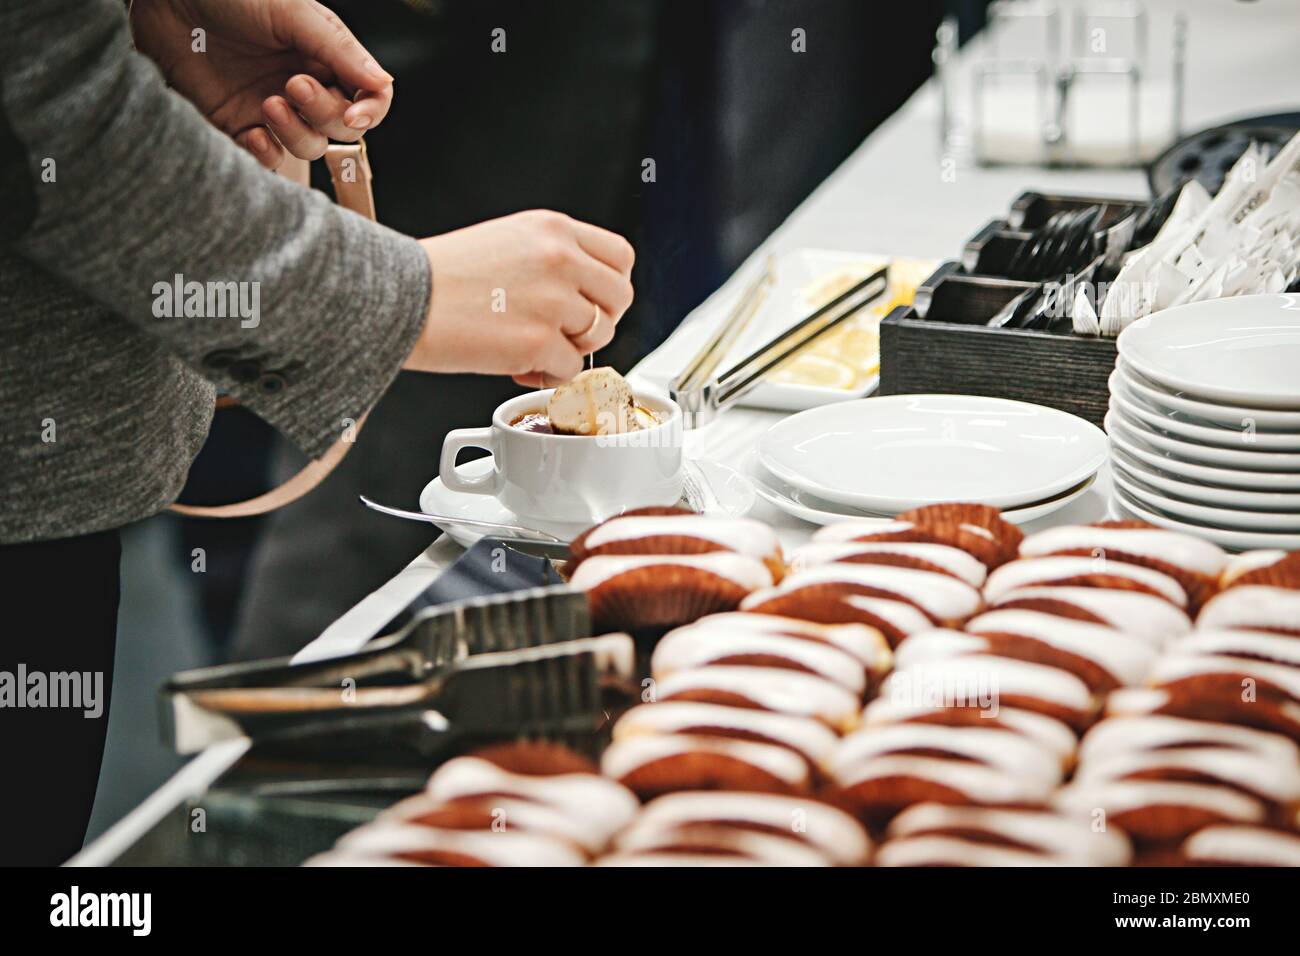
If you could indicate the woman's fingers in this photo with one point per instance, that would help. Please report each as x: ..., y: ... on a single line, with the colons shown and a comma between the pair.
x: 291, y: 130
x: 368, y: 109
x: 318, y: 34
x: 321, y: 107
x: 262, y: 145
x: 611, y: 290
x: 597, y: 336
x: 609, y: 247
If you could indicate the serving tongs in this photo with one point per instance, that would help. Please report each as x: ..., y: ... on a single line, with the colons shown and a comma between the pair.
x: 702, y: 396
x: 427, y: 665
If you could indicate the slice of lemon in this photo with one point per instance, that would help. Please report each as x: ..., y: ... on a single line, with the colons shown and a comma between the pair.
x: 816, y: 370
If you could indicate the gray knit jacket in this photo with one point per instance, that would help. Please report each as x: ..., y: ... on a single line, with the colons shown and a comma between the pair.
x: 112, y: 186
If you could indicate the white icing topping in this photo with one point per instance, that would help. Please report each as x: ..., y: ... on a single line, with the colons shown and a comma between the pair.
x: 1129, y: 701
x: 1254, y: 846
x: 677, y: 859
x: 1133, y: 612
x: 590, y: 832
x: 936, y: 644
x: 625, y: 756
x: 941, y: 595
x: 953, y: 560
x: 1180, y: 550
x: 684, y: 648
x: 1252, y: 605
x: 744, y: 535
x: 853, y: 530
x: 1126, y: 658
x: 742, y: 570
x: 765, y: 847
x: 975, y: 781
x: 1122, y: 796
x: 865, y: 643
x: 784, y: 691
x: 1047, y: 732
x: 810, y: 737
x: 1278, y: 782
x: 1005, y: 750
x: 503, y: 848
x: 833, y: 832
x: 1126, y: 734
x: 1175, y: 666
x: 897, y: 614
x: 341, y: 858
x: 585, y: 795
x: 1239, y: 564
x: 1031, y: 571
x: 1280, y: 648
x: 976, y: 675
x: 1065, y: 838
x: 952, y: 851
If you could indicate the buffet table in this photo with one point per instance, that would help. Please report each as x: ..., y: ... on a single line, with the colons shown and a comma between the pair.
x: 889, y: 196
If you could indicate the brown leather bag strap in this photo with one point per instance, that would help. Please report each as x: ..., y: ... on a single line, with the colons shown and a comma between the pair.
x: 350, y: 171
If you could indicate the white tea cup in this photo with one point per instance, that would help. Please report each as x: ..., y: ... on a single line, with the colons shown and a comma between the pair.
x: 565, y: 483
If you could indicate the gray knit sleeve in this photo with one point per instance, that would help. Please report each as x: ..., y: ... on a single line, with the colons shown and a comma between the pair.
x: 300, y: 309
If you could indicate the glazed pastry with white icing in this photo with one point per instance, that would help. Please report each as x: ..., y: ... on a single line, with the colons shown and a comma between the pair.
x: 763, y: 847
x: 1172, y: 548
x: 940, y: 596
x: 1143, y: 615
x: 680, y: 532
x: 434, y: 845
x: 690, y: 647
x: 989, y: 684
x: 1083, y: 572
x: 1047, y: 732
x: 941, y: 558
x: 765, y: 688
x: 831, y: 832
x: 1234, y: 845
x: 1254, y: 607
x: 806, y: 736
x: 1159, y: 810
x: 1022, y: 837
x: 651, y: 766
x: 864, y: 643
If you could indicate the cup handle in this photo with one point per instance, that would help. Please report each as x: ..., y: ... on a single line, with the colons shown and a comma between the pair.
x: 452, y: 479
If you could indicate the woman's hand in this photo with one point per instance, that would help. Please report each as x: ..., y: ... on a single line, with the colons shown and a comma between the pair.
x: 526, y: 295
x: 288, y: 67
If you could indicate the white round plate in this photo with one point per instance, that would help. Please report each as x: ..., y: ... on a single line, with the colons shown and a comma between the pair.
x: 1242, y: 350
x: 1267, y: 521
x: 1126, y: 506
x: 897, y: 452
x: 730, y: 494
x: 1178, y: 425
x: 808, y: 507
x: 1233, y: 458
x: 1230, y: 416
x: 1233, y: 498
x: 1131, y: 445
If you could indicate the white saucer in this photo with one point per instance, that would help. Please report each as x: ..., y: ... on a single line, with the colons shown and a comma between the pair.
x: 1224, y: 518
x: 1231, y: 458
x: 1126, y: 506
x: 1235, y: 498
x: 1178, y: 425
x: 892, y: 453
x: 732, y: 494
x: 1216, y: 413
x: 1242, y: 350
x: 808, y: 507
x: 1131, y: 445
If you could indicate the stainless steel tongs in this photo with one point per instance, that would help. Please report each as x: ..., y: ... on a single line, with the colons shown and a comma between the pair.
x: 702, y: 396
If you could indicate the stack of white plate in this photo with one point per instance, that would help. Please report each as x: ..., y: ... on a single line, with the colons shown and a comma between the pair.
x: 881, y: 456
x: 1204, y: 420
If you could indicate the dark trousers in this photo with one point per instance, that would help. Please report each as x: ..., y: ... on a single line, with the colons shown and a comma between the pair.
x: 56, y: 661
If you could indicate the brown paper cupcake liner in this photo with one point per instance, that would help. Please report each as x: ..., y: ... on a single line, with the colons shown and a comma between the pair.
x: 955, y: 514
x: 703, y: 771
x: 661, y: 595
